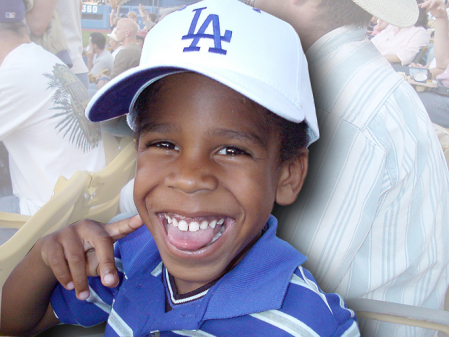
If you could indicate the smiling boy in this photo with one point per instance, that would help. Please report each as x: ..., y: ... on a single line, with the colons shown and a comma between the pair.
x: 223, y: 113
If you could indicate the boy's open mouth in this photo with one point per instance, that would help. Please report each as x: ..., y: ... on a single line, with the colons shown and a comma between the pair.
x: 191, y: 234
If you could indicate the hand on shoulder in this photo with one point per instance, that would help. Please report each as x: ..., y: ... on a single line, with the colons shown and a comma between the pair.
x: 84, y: 249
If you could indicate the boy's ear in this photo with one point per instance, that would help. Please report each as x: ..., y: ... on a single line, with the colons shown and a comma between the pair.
x: 292, y: 176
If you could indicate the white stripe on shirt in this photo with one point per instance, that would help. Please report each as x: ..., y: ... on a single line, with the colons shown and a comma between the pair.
x: 285, y: 322
x: 119, y: 325
x: 95, y: 299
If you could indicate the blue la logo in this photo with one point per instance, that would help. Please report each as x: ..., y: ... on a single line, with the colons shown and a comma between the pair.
x: 211, y: 19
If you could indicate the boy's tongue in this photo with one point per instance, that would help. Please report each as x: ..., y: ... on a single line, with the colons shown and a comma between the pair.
x: 190, y: 241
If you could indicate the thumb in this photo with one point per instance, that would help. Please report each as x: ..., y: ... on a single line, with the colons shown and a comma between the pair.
x: 122, y: 228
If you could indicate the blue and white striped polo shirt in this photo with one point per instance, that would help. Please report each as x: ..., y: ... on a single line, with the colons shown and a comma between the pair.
x: 267, y: 294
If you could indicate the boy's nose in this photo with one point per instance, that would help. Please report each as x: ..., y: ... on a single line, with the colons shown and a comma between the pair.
x: 190, y: 176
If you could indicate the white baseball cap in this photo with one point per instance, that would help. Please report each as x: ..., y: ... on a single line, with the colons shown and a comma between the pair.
x: 112, y: 34
x: 250, y: 51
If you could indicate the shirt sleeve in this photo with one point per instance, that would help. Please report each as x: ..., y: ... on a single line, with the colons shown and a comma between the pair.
x: 407, y: 52
x: 325, y: 313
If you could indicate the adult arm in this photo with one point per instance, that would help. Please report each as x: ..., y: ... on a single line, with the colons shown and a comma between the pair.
x: 393, y: 58
x: 90, y: 59
x: 441, y: 39
x: 111, y: 18
x: 143, y: 12
x: 39, y: 17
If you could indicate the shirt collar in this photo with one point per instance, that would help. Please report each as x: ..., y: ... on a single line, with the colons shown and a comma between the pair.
x: 258, y: 283
x: 332, y: 41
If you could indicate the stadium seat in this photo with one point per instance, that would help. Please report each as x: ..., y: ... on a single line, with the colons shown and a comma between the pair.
x: 400, y: 314
x: 55, y: 214
x: 443, y: 136
x: 104, y: 189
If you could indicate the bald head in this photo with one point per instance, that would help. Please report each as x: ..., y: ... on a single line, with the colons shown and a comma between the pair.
x: 126, y: 31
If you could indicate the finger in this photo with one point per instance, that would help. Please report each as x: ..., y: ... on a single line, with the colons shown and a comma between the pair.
x: 53, y: 255
x: 122, y: 228
x: 76, y: 258
x: 104, y: 259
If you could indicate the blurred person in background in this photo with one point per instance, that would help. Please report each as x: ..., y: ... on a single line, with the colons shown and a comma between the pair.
x: 115, y: 46
x: 98, y: 58
x: 129, y: 56
x: 437, y: 100
x: 149, y: 19
x: 400, y: 45
x: 69, y: 12
x: 141, y: 34
x: 42, y: 122
x: 132, y: 15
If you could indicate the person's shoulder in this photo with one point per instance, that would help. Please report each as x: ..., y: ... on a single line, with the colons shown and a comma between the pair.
x: 106, y: 53
x: 130, y: 50
x: 28, y: 66
x: 307, y: 303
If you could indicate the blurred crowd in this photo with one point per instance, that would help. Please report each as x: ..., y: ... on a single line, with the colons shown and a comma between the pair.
x: 425, y: 46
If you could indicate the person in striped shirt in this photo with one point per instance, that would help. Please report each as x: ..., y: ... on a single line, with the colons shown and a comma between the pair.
x: 373, y: 215
x: 223, y: 113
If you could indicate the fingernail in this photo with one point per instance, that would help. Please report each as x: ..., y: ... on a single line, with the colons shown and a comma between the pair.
x: 70, y: 285
x: 108, y: 278
x: 83, y: 295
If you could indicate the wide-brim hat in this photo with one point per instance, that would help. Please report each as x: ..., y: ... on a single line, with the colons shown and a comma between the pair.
x: 399, y: 13
x: 229, y: 42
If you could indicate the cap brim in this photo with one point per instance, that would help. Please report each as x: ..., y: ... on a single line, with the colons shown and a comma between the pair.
x: 117, y: 97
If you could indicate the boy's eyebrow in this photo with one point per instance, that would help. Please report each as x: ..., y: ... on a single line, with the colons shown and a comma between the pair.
x: 219, y: 132
x: 241, y: 135
x: 159, y: 127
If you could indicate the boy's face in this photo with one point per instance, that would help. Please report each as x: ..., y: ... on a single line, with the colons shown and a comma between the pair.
x: 208, y: 162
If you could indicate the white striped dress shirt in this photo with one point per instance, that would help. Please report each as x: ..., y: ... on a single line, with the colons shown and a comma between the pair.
x: 373, y: 216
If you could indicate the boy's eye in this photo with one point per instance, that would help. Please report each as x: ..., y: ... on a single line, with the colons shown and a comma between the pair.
x: 164, y: 145
x: 232, y: 151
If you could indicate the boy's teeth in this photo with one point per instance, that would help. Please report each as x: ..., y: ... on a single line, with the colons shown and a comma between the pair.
x: 183, y: 226
x: 194, y: 226
x: 204, y: 224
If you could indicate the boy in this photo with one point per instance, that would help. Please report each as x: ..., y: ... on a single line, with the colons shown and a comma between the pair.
x: 222, y: 112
